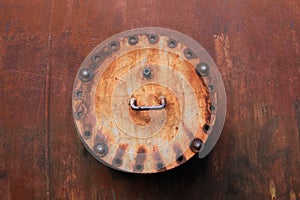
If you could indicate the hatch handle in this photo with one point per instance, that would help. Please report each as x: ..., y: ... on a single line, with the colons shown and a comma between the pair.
x: 162, y: 105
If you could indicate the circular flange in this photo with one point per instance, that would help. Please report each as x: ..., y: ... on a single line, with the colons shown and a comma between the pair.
x: 146, y: 100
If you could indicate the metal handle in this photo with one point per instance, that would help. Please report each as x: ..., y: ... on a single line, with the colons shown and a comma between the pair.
x: 156, y: 107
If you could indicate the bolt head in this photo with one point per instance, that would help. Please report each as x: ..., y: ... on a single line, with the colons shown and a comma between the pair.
x: 85, y: 73
x: 196, y: 145
x: 101, y: 149
x: 172, y: 44
x: 147, y: 72
x: 202, y: 69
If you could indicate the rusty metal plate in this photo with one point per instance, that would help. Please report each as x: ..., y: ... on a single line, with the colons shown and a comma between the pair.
x: 147, y: 100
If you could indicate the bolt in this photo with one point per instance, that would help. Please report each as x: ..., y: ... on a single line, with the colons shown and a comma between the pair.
x: 172, y: 44
x: 152, y: 38
x: 133, y: 39
x: 87, y: 133
x: 196, y: 145
x: 101, y: 149
x: 85, y: 75
x: 180, y: 159
x: 159, y: 166
x: 147, y: 72
x: 202, y: 69
x: 113, y: 46
x: 118, y: 161
x: 79, y: 94
x: 206, y: 128
x: 79, y: 114
x: 139, y: 167
x: 210, y: 89
x: 189, y: 54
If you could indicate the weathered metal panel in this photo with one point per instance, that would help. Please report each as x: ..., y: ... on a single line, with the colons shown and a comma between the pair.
x: 255, y: 45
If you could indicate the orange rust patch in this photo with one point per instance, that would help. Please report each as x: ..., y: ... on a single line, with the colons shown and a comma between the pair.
x: 141, y: 150
x: 123, y: 146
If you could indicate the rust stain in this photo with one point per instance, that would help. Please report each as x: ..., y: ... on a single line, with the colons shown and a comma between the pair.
x: 123, y: 146
x: 160, y: 166
x: 180, y: 158
x: 141, y: 150
x: 222, y: 51
x: 188, y: 131
x: 141, y: 118
x: 140, y: 159
x: 70, y: 178
x: 117, y: 161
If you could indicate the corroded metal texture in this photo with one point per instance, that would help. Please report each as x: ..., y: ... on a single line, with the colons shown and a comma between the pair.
x: 150, y: 66
x: 255, y: 45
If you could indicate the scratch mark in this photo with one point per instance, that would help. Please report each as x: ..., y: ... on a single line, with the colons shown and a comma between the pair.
x: 268, y: 130
x: 297, y: 112
x: 113, y: 194
x: 47, y: 102
x: 292, y: 195
x: 272, y: 188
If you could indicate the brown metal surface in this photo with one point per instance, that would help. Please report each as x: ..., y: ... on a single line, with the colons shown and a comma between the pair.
x: 150, y: 140
x: 256, y: 47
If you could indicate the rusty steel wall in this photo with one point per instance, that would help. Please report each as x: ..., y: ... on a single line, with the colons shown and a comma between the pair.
x: 256, y: 45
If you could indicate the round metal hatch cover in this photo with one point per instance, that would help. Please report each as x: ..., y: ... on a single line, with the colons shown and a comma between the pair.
x: 146, y: 100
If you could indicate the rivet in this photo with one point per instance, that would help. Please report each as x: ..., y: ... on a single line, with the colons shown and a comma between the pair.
x: 118, y: 161
x: 85, y: 75
x: 95, y: 58
x: 152, y: 38
x: 114, y: 46
x: 79, y: 114
x: 78, y: 94
x: 133, y: 39
x: 189, y: 54
x: 180, y: 159
x: 196, y: 145
x: 147, y: 72
x: 206, y: 128
x: 212, y: 107
x: 87, y: 134
x: 172, y: 43
x: 101, y: 149
x: 139, y: 167
x: 210, y: 88
x: 159, y: 166
x: 202, y: 69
